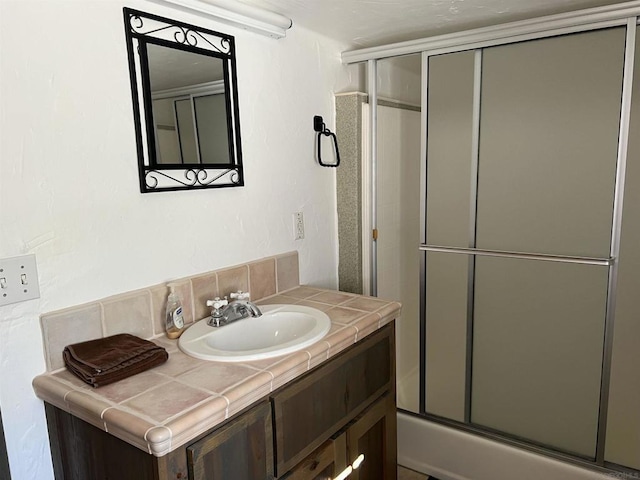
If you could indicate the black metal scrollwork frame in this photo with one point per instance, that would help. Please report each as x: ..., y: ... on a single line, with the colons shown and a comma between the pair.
x: 142, y: 29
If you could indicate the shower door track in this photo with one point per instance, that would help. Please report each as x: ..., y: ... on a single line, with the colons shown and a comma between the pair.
x: 525, y: 444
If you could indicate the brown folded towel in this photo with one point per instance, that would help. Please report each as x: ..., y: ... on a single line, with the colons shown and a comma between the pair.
x: 107, y: 360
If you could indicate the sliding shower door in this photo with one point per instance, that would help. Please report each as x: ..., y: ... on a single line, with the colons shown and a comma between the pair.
x: 521, y: 186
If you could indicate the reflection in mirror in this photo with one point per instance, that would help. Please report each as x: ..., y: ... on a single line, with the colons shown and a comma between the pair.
x: 189, y: 107
x: 185, y: 104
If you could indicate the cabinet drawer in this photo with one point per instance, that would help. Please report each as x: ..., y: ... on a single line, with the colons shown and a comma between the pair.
x: 240, y: 450
x: 310, y: 410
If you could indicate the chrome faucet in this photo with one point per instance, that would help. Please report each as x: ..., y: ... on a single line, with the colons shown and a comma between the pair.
x: 225, y: 312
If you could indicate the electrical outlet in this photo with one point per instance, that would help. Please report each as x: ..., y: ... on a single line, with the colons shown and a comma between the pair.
x: 298, y: 226
x: 18, y: 279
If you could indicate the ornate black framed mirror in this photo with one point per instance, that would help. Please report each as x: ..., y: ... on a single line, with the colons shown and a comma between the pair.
x: 185, y: 104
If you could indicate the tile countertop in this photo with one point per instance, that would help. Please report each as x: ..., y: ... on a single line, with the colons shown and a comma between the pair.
x: 163, y: 408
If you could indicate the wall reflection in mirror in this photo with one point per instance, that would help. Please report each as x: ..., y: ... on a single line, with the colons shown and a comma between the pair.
x: 183, y: 82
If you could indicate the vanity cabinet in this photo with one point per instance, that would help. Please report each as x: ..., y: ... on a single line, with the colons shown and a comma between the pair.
x: 240, y: 449
x: 372, y: 437
x: 325, y: 463
x: 310, y: 429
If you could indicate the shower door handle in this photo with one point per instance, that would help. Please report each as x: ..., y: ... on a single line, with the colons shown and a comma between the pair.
x: 522, y: 255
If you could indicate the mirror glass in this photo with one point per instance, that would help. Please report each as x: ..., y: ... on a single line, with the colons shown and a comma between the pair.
x: 185, y: 104
x: 189, y: 107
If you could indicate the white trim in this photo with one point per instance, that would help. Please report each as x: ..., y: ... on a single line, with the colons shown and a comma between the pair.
x: 581, y: 20
x: 372, y: 88
x: 237, y: 14
x: 197, y: 90
x: 366, y: 201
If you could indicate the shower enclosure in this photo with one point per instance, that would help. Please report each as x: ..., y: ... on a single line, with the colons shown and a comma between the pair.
x: 522, y: 324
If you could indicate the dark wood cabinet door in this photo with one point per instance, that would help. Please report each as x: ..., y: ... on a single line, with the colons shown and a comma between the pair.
x: 372, y: 437
x: 325, y: 463
x: 240, y: 450
x: 81, y: 451
x: 311, y: 410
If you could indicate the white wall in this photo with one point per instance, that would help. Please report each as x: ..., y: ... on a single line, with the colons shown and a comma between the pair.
x: 69, y: 186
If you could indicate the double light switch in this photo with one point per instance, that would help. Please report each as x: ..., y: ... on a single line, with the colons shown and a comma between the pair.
x: 18, y: 279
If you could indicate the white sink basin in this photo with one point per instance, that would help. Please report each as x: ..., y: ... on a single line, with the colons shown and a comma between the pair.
x: 281, y: 329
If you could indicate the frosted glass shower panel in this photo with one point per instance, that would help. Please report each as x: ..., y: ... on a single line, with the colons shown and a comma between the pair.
x: 449, y: 154
x: 213, y: 135
x: 550, y: 111
x: 186, y: 131
x: 446, y: 334
x: 537, y: 350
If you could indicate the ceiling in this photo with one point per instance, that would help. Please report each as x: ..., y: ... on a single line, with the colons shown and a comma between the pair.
x: 368, y: 23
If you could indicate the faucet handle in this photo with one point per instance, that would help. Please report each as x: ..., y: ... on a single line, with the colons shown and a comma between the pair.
x: 217, y: 303
x: 240, y: 295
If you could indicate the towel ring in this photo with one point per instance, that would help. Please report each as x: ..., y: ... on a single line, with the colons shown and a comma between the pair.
x: 320, y: 127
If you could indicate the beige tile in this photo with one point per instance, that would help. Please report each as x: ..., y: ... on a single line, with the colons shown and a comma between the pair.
x: 323, y: 307
x: 264, y: 364
x: 197, y: 421
x: 177, y: 364
x: 127, y: 427
x: 365, y: 303
x: 287, y: 271
x: 232, y: 280
x: 159, y: 295
x: 334, y: 298
x: 262, y: 278
x: 335, y: 327
x: 169, y: 344
x: 166, y: 400
x: 128, y: 313
x: 69, y: 326
x: 250, y: 391
x: 159, y: 440
x: 87, y: 407
x: 384, y: 320
x: 289, y: 368
x: 303, y: 292
x: 393, y: 309
x: 366, y: 325
x: 344, y: 316
x: 50, y: 390
x: 205, y: 287
x: 130, y: 387
x: 71, y: 379
x: 278, y: 299
x: 217, y: 376
x: 318, y: 353
x: 341, y: 339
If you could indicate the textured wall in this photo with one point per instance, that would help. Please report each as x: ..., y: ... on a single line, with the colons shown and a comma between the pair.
x: 349, y: 190
x: 69, y: 186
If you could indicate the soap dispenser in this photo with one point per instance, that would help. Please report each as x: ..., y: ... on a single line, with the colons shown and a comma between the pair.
x: 174, y: 321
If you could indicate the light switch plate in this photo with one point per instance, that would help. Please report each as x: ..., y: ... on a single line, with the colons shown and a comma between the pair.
x: 18, y: 279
